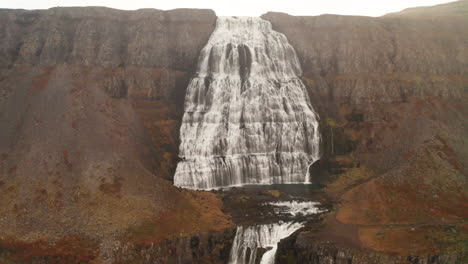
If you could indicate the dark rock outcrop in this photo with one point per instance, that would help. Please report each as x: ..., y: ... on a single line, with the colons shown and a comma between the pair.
x: 97, y: 36
x: 201, y: 248
x: 298, y: 249
x: 361, y: 60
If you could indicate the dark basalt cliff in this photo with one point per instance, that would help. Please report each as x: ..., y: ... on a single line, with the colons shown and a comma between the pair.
x: 91, y: 101
x: 97, y: 36
x: 388, y: 59
x: 298, y: 249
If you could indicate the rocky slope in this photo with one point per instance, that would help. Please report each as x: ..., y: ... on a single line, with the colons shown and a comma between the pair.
x: 90, y: 106
x: 392, y: 96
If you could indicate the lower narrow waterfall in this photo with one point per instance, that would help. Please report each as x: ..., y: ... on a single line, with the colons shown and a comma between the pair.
x: 248, y: 241
x: 248, y: 118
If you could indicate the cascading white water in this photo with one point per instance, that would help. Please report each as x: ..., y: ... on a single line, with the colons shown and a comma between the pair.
x: 295, y: 208
x: 248, y: 119
x: 248, y: 240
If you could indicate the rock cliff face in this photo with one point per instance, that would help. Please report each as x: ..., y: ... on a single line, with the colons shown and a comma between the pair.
x: 206, y: 247
x: 296, y: 249
x: 95, y: 36
x: 91, y: 101
x: 391, y: 93
x: 362, y: 60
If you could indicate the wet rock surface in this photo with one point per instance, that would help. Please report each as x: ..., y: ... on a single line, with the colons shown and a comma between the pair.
x: 253, y: 204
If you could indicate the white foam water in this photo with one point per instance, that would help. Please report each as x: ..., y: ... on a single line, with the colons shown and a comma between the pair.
x: 296, y: 208
x: 249, y: 239
x: 248, y: 117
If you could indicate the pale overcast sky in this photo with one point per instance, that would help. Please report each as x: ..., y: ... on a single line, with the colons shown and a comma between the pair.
x: 242, y: 7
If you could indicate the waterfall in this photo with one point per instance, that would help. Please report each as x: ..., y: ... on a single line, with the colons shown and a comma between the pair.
x: 248, y: 118
x: 248, y: 240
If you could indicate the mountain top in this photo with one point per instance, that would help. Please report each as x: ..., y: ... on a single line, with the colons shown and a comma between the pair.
x: 459, y: 8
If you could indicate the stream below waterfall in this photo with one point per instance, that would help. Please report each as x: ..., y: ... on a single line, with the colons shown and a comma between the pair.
x: 265, y: 214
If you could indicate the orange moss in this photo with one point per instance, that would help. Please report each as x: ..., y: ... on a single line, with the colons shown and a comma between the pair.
x: 413, y: 240
x: 194, y: 212
x: 12, y: 169
x: 66, y: 160
x: 161, y: 120
x: 449, y: 154
x: 384, y: 202
x: 41, y: 195
x: 74, y: 124
x: 350, y: 178
x: 41, y: 80
x: 68, y: 250
x: 422, y: 184
x: 112, y: 188
x: 57, y: 203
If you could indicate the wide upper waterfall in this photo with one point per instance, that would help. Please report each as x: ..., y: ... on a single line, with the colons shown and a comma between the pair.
x: 248, y: 118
